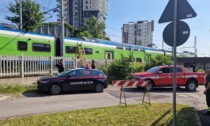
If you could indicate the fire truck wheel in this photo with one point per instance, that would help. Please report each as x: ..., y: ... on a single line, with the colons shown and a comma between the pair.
x: 55, y: 89
x: 191, y: 85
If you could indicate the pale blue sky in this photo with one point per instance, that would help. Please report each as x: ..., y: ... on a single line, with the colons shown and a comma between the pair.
x: 123, y: 11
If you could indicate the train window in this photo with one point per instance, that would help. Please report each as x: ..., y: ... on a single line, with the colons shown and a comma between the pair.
x: 128, y: 48
x: 97, y: 51
x: 39, y: 47
x: 119, y: 47
x: 88, y: 51
x: 70, y: 49
x: 22, y: 46
x: 138, y: 60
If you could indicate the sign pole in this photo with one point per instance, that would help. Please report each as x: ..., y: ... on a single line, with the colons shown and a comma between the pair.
x: 174, y: 58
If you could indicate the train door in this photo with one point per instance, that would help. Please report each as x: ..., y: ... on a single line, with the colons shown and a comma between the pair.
x: 109, y: 55
x: 57, y: 47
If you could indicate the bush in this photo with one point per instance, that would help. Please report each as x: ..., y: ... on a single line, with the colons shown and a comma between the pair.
x: 137, y: 67
x: 103, y: 68
x: 120, y: 69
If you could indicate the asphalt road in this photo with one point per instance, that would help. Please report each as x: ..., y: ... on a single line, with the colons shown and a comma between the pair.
x: 36, y: 103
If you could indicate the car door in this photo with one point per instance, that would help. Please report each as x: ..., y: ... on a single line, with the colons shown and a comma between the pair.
x: 73, y: 80
x: 164, y: 76
x: 87, y: 79
x: 180, y: 77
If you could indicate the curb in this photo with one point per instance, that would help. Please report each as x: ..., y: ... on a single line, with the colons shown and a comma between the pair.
x: 197, y: 117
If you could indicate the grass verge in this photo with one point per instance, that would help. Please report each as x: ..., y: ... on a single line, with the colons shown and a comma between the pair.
x: 134, y: 115
x: 15, y: 89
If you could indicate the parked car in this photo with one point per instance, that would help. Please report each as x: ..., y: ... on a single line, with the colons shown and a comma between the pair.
x: 73, y: 80
x: 163, y: 76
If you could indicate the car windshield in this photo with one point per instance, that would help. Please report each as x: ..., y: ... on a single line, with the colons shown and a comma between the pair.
x: 63, y: 73
x: 153, y: 69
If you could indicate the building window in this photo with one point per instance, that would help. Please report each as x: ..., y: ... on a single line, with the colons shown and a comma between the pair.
x: 22, y: 46
x: 70, y: 49
x: 39, y: 47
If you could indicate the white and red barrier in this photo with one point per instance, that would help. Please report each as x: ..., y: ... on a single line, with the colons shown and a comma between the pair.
x: 129, y: 83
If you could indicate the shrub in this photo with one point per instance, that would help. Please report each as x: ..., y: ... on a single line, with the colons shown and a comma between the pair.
x: 120, y: 69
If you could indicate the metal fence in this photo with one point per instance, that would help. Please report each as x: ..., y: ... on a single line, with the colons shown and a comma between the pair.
x: 22, y: 66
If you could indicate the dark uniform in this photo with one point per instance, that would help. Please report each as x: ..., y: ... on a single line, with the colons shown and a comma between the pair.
x: 60, y: 67
x: 208, y: 93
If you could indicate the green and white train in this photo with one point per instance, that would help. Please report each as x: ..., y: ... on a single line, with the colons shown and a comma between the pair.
x: 15, y: 42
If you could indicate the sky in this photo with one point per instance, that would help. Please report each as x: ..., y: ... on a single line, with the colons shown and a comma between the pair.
x: 123, y: 11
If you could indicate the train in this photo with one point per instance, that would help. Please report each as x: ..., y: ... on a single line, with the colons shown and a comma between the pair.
x: 17, y: 42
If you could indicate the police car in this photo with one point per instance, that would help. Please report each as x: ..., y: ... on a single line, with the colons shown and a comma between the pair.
x: 73, y: 80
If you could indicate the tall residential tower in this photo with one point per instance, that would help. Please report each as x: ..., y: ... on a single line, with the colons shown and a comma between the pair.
x: 139, y: 33
x: 76, y: 11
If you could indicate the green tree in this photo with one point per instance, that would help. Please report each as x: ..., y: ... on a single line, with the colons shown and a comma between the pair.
x: 84, y: 33
x: 95, y: 28
x: 31, y: 14
x: 158, y: 60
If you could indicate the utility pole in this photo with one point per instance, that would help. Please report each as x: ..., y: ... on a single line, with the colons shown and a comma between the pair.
x: 62, y: 28
x: 21, y: 11
x: 195, y: 47
x: 162, y: 44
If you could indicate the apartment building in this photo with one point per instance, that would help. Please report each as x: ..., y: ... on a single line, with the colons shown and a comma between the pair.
x: 138, y: 33
x: 77, y: 11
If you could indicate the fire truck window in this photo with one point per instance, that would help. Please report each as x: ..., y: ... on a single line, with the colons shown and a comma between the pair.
x: 165, y: 70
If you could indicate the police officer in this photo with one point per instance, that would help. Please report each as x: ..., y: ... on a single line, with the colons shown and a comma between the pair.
x: 207, y: 91
x: 60, y: 67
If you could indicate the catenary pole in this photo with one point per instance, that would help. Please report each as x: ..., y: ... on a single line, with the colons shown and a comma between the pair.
x: 21, y: 11
x: 174, y: 58
x: 62, y: 29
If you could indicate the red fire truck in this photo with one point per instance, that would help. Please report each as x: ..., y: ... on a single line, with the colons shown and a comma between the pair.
x: 163, y: 76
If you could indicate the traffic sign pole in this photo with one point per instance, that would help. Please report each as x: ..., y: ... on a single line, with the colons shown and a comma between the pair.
x: 176, y: 34
x: 174, y: 58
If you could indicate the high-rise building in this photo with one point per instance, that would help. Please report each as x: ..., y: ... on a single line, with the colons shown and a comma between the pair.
x: 139, y: 33
x: 76, y: 11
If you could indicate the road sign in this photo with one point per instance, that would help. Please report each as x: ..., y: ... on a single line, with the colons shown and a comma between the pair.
x: 184, y: 11
x: 183, y: 33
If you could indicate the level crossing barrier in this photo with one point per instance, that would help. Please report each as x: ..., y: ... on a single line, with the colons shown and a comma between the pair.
x: 131, y: 83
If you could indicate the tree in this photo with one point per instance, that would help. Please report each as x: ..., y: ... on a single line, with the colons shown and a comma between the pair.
x: 31, y: 15
x: 95, y: 28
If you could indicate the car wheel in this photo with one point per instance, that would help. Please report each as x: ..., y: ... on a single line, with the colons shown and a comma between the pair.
x: 150, y: 85
x: 99, y: 88
x: 55, y: 89
x: 191, y: 86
